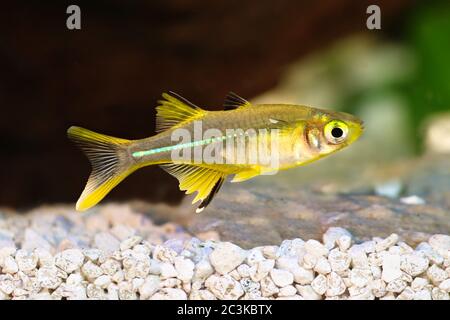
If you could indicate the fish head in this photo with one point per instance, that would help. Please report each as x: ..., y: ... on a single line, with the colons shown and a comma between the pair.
x: 330, y: 131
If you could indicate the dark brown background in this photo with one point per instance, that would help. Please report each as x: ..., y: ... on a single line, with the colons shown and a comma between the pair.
x: 108, y: 76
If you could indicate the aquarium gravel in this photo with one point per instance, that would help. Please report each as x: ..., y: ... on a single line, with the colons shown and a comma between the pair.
x: 115, y: 252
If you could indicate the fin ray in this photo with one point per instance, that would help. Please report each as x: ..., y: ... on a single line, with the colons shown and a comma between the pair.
x: 174, y: 110
x: 233, y: 101
x: 109, y: 161
x: 211, y: 195
x: 198, y: 179
x: 245, y: 175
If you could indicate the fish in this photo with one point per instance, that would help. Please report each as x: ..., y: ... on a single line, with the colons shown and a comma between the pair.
x: 203, y: 148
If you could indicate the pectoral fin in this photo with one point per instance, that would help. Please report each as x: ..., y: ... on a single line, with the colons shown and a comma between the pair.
x: 245, y: 175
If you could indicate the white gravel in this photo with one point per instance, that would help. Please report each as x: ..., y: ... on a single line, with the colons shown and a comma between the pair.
x: 126, y: 260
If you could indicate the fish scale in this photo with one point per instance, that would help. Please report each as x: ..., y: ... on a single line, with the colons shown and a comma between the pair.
x: 304, y: 134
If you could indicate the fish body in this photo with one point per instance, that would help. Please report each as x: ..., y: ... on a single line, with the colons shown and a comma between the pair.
x: 201, y: 148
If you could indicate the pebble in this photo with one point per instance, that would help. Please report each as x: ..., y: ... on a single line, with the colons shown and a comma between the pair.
x: 412, y: 200
x: 301, y: 275
x: 106, y: 242
x: 281, y: 278
x: 224, y: 287
x: 414, y: 264
x: 47, y: 277
x: 344, y: 242
x: 149, y: 287
x: 93, y: 254
x: 110, y: 266
x: 10, y: 265
x: 436, y: 274
x: 360, y: 277
x: 26, y: 260
x: 69, y: 260
x: 136, y: 265
x: 335, y: 285
x: 308, y: 293
x: 206, y: 295
x: 226, y: 257
x: 203, y: 270
x: 378, y: 287
x: 331, y: 236
x: 439, y: 294
x: 391, y: 267
x: 339, y: 261
x: 74, y: 279
x: 319, y: 284
x: 287, y: 291
x: 130, y: 242
x: 103, y: 281
x: 164, y: 254
x: 390, y: 189
x: 270, y: 252
x: 419, y: 283
x: 33, y: 240
x: 440, y: 243
x: 423, y: 294
x: 123, y: 262
x: 168, y: 271
x: 268, y: 287
x: 445, y: 285
x: 170, y: 294
x: 430, y: 253
x: 262, y: 269
x: 396, y: 286
x: 245, y: 270
x: 358, y: 256
x: 322, y: 266
x: 252, y: 288
x: 314, y: 247
x: 6, y: 252
x: 293, y: 248
x: 91, y: 271
x: 184, y: 268
x: 309, y: 261
x: 386, y: 243
x: 406, y: 294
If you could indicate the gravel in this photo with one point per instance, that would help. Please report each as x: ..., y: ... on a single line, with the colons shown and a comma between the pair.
x: 117, y: 253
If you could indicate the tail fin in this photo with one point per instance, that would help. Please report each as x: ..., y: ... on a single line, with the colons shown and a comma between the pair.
x: 110, y: 164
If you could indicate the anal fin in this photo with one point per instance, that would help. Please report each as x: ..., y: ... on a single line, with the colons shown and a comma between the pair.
x: 211, y: 195
x: 205, y: 181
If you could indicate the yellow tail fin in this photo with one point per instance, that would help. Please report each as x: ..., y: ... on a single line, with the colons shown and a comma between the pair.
x: 110, y: 164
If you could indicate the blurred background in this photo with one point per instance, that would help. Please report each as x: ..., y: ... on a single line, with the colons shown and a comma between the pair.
x: 108, y: 76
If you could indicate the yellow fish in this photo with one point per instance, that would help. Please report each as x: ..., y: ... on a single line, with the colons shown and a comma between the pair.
x: 244, y: 140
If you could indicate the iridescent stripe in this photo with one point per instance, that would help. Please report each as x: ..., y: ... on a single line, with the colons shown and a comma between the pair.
x: 139, y: 154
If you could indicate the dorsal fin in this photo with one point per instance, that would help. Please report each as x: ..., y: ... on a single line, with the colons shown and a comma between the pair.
x: 206, y: 182
x: 233, y: 101
x: 174, y: 110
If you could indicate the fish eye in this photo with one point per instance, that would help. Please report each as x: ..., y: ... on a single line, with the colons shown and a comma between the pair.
x: 336, y: 131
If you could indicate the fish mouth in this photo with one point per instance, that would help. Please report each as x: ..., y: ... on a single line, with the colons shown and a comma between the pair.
x: 361, y: 125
